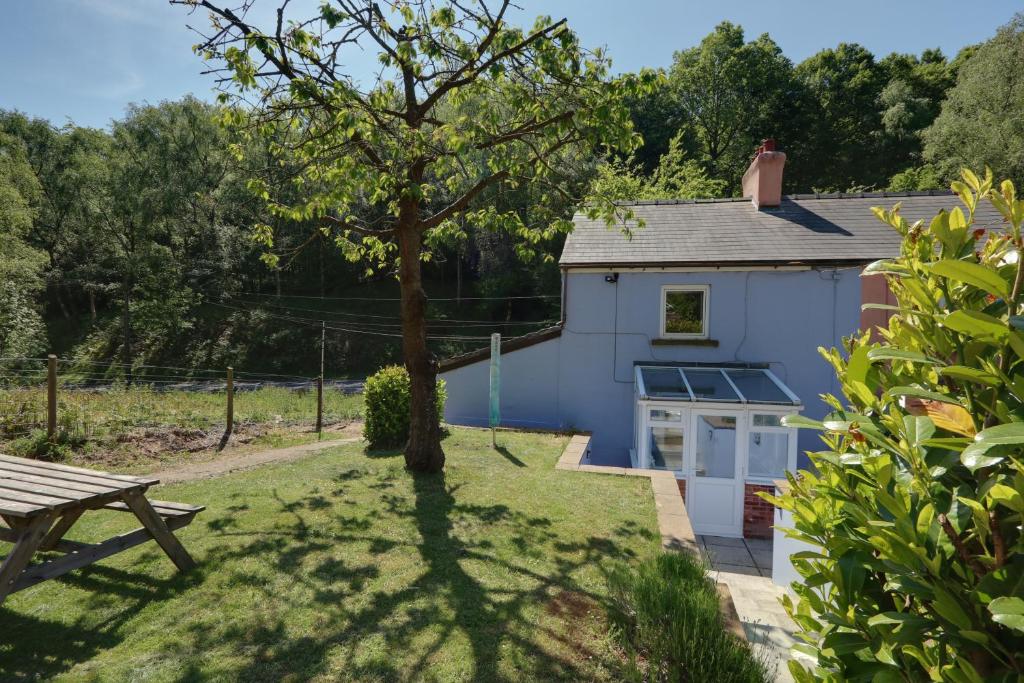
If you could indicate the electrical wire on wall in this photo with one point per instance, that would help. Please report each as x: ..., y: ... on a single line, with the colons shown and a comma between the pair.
x: 835, y: 277
x: 746, y: 312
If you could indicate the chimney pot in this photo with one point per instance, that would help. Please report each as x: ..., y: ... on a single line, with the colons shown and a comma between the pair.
x: 763, y: 180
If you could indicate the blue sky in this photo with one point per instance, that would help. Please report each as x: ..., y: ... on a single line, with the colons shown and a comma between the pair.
x: 86, y: 60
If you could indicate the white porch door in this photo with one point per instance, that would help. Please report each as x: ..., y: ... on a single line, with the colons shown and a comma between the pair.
x: 714, y: 495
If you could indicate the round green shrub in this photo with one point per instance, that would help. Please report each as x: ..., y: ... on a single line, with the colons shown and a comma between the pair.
x: 387, y: 407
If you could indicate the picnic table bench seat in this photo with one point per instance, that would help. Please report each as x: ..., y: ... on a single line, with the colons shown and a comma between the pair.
x: 41, y: 501
x: 163, y: 508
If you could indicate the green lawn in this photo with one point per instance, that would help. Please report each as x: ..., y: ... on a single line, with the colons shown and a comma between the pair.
x: 343, y: 566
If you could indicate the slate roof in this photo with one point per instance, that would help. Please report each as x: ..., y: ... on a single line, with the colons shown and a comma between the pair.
x: 805, y: 229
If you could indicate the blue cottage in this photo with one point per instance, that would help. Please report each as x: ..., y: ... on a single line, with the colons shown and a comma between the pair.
x: 682, y: 347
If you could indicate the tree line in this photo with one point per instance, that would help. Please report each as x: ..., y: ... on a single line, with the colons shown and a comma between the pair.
x: 135, y: 243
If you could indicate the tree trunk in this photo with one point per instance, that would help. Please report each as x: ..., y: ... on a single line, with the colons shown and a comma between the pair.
x: 60, y: 302
x: 423, y: 451
x: 322, y: 278
x: 458, y: 278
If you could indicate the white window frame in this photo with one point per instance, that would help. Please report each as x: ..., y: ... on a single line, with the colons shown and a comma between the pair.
x: 752, y: 428
x: 706, y: 313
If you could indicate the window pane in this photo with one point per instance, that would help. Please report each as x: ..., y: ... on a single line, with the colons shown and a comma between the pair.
x: 767, y: 420
x: 716, y: 446
x: 664, y: 382
x: 711, y: 385
x: 684, y: 312
x: 757, y: 387
x: 769, y: 454
x: 667, y: 415
x: 666, y: 448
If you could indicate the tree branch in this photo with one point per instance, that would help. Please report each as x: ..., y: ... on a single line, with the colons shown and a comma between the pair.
x: 458, y: 80
x: 462, y: 202
x: 359, y: 230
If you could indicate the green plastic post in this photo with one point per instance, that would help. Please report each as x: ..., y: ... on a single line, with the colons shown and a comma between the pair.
x: 495, y: 392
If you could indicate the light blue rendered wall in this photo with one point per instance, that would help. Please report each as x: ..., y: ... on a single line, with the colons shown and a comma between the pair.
x: 584, y: 379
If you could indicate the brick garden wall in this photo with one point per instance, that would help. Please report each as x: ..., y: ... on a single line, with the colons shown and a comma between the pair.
x: 758, y: 514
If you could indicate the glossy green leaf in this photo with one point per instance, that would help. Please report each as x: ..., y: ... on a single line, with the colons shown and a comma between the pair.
x: 885, y: 267
x: 948, y: 608
x: 1008, y: 611
x: 1007, y: 496
x: 973, y: 274
x: 976, y: 324
x: 962, y: 372
x: 891, y: 353
x: 976, y: 456
x: 799, y: 421
x: 950, y: 443
x: 918, y: 429
x: 918, y: 392
x: 844, y: 643
x: 897, y: 619
x: 1010, y: 433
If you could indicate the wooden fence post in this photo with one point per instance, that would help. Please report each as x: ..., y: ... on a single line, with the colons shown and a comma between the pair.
x: 320, y: 385
x: 320, y: 406
x: 51, y: 397
x: 231, y: 402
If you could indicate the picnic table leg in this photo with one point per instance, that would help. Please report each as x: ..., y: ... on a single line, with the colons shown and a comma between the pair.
x: 156, y: 526
x: 30, y: 535
x: 58, y: 530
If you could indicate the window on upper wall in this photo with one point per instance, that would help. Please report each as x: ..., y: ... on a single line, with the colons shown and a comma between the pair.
x: 684, y: 311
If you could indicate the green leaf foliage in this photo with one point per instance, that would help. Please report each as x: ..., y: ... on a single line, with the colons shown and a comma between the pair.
x: 915, y: 505
x: 386, y: 422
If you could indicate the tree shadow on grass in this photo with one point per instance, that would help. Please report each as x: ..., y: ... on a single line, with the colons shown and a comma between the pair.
x: 34, y: 649
x: 463, y: 598
x: 445, y: 601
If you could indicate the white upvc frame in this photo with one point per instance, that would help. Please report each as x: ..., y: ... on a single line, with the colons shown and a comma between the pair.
x: 793, y: 434
x: 687, y: 409
x: 705, y: 314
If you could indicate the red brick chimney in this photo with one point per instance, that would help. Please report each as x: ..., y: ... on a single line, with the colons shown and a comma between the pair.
x: 763, y: 180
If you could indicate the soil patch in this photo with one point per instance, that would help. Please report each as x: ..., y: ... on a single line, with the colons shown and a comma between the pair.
x: 229, y: 460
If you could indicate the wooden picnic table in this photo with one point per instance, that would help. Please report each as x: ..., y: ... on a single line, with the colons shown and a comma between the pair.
x: 41, y: 501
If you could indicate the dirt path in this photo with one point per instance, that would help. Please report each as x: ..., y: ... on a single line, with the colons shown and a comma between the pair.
x: 229, y: 462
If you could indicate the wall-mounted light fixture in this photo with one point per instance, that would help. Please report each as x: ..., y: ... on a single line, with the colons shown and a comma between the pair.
x: 612, y: 279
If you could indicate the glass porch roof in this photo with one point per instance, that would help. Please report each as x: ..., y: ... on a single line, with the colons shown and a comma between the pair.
x: 717, y: 385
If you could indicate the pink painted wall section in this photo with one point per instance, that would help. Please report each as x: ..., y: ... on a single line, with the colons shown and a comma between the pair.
x: 763, y: 180
x: 874, y: 289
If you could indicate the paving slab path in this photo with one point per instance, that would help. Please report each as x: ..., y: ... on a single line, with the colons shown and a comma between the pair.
x: 232, y: 462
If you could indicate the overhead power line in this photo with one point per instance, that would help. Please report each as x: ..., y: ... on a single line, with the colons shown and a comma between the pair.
x: 350, y: 330
x: 445, y: 322
x: 429, y: 298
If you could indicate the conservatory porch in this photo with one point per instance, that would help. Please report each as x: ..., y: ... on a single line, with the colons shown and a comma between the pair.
x: 719, y: 430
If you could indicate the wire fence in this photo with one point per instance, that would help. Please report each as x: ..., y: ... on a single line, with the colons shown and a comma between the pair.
x: 78, y: 401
